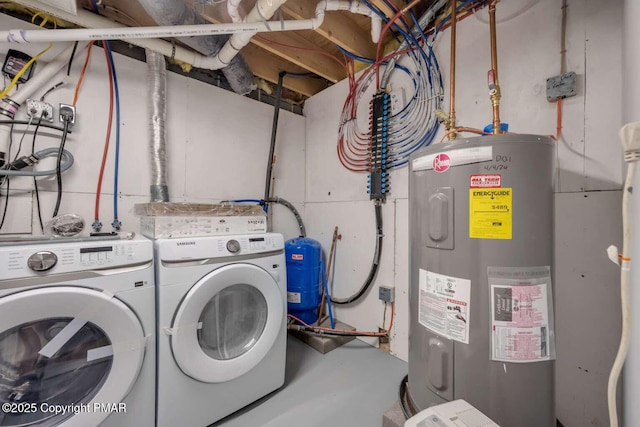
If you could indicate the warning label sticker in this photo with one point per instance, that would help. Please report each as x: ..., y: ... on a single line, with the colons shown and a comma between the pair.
x: 294, y: 297
x: 444, y: 305
x: 520, y: 323
x: 485, y: 181
x: 490, y: 213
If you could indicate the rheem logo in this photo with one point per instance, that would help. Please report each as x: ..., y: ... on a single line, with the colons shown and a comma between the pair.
x: 442, y: 162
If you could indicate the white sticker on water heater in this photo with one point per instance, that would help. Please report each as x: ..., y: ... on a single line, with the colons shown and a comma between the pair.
x: 520, y: 323
x: 444, y: 306
x: 522, y: 327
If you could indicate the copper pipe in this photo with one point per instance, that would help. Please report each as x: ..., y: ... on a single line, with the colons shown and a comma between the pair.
x: 452, y: 83
x: 409, y: 6
x: 494, y: 47
x: 495, y: 92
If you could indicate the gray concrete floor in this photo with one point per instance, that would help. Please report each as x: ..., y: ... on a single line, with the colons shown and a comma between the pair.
x: 351, y: 386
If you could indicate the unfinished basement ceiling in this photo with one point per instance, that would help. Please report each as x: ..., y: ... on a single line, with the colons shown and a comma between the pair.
x: 308, y: 51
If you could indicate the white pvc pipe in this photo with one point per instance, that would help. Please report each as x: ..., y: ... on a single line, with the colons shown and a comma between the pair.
x: 88, y: 19
x: 44, y: 76
x: 232, y: 10
x: 99, y: 28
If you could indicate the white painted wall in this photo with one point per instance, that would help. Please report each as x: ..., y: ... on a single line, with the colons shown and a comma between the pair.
x: 218, y: 144
x: 631, y: 113
x: 589, y: 155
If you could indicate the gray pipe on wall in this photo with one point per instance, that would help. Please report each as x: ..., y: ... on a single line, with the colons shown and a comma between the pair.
x: 176, y: 12
x: 157, y: 96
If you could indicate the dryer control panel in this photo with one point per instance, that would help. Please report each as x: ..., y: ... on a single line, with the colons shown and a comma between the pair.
x: 54, y: 258
x: 219, y: 246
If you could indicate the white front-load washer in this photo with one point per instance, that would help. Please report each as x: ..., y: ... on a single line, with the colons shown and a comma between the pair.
x: 77, y: 333
x: 222, y: 325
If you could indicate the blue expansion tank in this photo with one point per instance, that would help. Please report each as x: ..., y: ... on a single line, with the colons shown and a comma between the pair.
x: 303, y: 278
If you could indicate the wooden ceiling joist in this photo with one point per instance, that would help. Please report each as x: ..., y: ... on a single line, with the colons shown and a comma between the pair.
x: 336, y: 27
x: 305, y: 54
x: 266, y: 66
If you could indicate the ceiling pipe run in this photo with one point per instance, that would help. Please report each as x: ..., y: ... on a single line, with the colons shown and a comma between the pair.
x: 97, y: 22
x: 424, y: 20
x: 256, y: 21
x: 176, y: 12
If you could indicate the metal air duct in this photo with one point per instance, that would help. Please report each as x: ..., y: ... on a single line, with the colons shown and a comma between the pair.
x: 176, y: 12
x: 157, y: 118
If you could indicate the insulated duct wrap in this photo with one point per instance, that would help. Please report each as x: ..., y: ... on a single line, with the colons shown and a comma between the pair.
x: 157, y: 79
x: 176, y: 12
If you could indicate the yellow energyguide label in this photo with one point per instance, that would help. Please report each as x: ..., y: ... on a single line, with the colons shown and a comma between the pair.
x: 490, y: 213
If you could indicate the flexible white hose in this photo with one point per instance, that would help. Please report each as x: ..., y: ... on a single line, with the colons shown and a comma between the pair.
x: 630, y: 135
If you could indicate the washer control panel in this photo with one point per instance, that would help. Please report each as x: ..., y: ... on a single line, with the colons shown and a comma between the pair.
x: 219, y: 246
x: 59, y: 257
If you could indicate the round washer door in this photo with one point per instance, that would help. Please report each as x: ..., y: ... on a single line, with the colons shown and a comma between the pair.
x: 227, y: 323
x: 65, y: 346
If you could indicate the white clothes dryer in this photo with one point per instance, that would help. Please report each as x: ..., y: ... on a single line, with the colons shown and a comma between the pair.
x: 77, y: 327
x: 222, y: 325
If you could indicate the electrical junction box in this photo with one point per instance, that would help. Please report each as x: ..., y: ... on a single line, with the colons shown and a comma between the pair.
x: 386, y: 293
x: 562, y: 86
x: 452, y: 414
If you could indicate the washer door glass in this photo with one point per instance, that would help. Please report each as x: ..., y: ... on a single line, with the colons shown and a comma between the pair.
x: 232, y: 322
x: 227, y: 323
x: 67, y: 378
x: 69, y: 346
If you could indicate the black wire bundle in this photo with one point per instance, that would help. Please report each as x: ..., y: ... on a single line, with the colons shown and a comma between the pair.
x: 63, y: 140
x: 35, y: 181
x: 6, y: 179
x: 373, y: 271
x: 401, y: 396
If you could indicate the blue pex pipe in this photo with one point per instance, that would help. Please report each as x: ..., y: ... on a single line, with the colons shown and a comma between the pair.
x: 326, y: 289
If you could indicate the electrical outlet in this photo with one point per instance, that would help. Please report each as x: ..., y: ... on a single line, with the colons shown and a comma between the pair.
x: 37, y: 109
x: 386, y: 293
x: 67, y: 113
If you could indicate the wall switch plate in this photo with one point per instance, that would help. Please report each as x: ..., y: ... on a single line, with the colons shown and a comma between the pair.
x: 562, y: 86
x: 39, y: 109
x: 386, y: 293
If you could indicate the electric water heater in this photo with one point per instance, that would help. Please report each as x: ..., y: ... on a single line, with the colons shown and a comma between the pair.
x: 481, y: 296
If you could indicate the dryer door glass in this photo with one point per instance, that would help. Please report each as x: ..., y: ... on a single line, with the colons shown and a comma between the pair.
x: 228, y: 323
x: 232, y: 322
x: 52, y: 361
